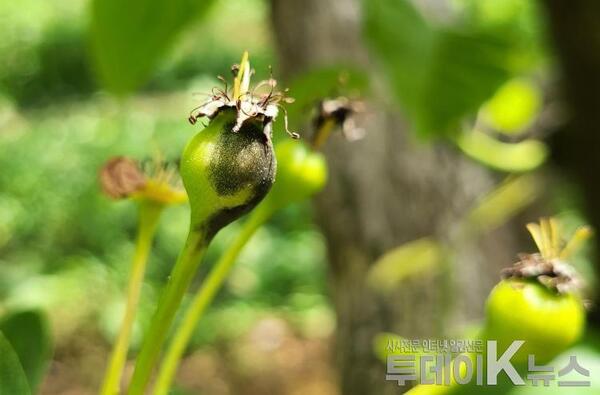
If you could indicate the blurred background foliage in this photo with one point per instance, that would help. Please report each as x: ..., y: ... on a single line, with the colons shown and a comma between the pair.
x: 81, y: 81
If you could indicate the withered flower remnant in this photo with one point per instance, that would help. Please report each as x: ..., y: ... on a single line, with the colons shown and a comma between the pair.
x: 122, y: 178
x: 337, y: 112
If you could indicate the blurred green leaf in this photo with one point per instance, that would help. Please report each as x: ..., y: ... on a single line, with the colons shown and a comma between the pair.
x: 438, y: 75
x: 509, y: 157
x: 513, y: 107
x: 29, y: 335
x: 411, y: 259
x: 402, y: 39
x: 128, y: 38
x: 12, y: 377
x: 504, y: 202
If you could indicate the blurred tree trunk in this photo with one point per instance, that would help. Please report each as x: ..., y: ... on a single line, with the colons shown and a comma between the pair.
x: 386, y: 190
x: 575, y: 30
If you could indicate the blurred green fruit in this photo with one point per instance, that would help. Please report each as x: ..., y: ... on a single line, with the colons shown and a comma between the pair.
x: 517, y: 157
x: 301, y: 172
x: 548, y: 322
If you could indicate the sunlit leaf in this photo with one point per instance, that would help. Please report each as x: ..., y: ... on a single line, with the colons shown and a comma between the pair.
x: 513, y: 107
x: 12, y: 377
x: 129, y: 37
x: 504, y: 202
x: 404, y: 43
x: 28, y: 333
x: 438, y: 75
x: 509, y: 157
x: 415, y: 258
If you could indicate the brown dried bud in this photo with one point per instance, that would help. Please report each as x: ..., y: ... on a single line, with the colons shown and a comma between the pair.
x: 337, y: 112
x: 120, y: 177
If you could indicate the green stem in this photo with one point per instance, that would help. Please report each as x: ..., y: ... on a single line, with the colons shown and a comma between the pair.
x: 149, y: 214
x: 181, y: 276
x: 203, y: 298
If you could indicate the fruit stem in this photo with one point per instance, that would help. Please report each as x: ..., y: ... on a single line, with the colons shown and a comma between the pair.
x: 322, y: 134
x: 149, y: 214
x: 181, y: 276
x: 204, y: 297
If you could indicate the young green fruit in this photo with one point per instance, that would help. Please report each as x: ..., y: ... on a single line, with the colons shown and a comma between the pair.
x: 227, y: 169
x: 538, y: 301
x: 548, y: 322
x: 301, y: 173
x: 226, y: 173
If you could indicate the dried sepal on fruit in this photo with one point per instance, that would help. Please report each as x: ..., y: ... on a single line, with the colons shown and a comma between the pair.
x: 155, y: 181
x: 549, y: 266
x: 262, y: 102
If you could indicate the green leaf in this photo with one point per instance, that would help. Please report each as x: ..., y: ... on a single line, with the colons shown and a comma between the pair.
x: 504, y: 202
x: 438, y: 75
x: 28, y: 333
x: 513, y: 107
x: 12, y: 377
x: 415, y: 258
x: 403, y: 41
x: 509, y: 157
x: 129, y: 37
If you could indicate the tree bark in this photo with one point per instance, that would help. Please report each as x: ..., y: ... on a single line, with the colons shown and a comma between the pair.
x: 575, y: 31
x: 383, y: 191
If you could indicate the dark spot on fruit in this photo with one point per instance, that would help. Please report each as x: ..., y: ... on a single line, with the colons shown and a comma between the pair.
x: 242, y: 159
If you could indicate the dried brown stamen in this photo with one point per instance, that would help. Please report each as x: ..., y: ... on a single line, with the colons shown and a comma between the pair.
x: 247, y: 102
